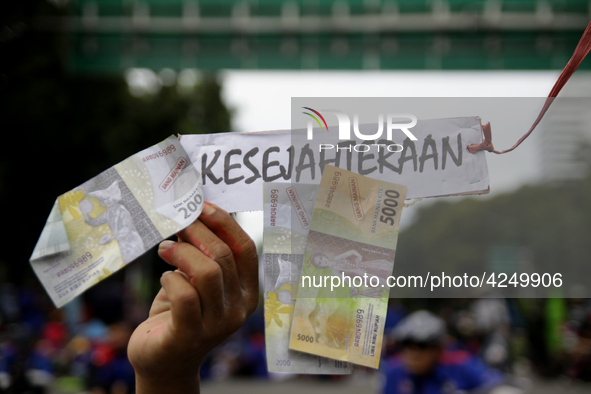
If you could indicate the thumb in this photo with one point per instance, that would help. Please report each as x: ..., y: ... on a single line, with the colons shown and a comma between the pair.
x: 185, y: 305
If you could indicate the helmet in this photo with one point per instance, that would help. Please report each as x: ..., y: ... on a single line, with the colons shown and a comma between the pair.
x: 420, y: 327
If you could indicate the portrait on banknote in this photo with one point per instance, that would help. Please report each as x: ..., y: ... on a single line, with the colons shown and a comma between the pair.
x: 98, y: 227
x: 349, y: 259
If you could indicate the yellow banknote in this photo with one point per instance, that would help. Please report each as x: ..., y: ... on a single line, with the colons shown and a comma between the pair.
x: 343, y: 290
x: 287, y: 215
x: 110, y: 220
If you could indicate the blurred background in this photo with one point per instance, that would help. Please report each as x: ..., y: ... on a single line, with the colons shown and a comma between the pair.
x: 86, y: 83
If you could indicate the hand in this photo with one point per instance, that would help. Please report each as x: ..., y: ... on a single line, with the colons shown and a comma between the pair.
x: 201, y: 304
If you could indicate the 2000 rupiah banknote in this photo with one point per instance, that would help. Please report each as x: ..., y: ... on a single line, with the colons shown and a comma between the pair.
x: 343, y: 294
x: 110, y: 220
x: 287, y: 214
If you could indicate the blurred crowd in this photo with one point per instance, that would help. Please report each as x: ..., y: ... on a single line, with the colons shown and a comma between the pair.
x: 82, y: 347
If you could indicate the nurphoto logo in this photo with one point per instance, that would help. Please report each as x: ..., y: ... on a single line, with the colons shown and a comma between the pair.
x: 393, y: 122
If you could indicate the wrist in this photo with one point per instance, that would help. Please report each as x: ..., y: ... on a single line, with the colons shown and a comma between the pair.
x: 168, y: 385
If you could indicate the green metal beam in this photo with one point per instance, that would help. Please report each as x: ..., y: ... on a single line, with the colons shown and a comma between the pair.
x: 515, y: 51
x: 108, y: 36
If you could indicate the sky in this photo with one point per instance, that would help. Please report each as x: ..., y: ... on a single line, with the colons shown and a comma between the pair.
x: 260, y: 100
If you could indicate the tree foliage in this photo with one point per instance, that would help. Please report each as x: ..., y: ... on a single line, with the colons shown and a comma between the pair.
x: 61, y: 129
x: 550, y: 220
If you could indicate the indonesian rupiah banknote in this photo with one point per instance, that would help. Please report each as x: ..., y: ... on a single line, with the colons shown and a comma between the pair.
x: 100, y: 226
x: 343, y: 293
x: 287, y: 214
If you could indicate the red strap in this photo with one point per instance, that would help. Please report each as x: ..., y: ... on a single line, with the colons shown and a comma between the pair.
x: 582, y: 49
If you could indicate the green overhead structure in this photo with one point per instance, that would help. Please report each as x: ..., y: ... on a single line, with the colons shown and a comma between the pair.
x: 113, y: 35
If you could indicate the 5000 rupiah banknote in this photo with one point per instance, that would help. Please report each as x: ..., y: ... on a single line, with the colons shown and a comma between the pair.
x: 287, y: 214
x: 343, y: 294
x: 110, y: 220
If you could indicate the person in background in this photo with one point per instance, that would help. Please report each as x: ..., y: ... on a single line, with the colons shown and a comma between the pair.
x: 426, y: 367
x: 112, y: 372
x: 203, y: 302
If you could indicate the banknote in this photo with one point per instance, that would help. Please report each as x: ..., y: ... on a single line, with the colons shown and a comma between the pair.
x: 352, y: 238
x: 100, y: 226
x: 287, y: 214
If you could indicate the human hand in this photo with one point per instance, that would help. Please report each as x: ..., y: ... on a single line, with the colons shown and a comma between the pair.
x: 201, y: 304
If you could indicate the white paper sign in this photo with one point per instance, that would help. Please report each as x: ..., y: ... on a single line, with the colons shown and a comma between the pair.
x: 234, y: 165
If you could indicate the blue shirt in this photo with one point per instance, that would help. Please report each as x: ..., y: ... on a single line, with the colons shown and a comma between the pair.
x: 454, y: 372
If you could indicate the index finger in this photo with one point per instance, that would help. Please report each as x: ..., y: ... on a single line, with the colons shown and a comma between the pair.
x: 242, y: 246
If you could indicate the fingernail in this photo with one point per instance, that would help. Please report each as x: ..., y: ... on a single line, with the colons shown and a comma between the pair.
x: 208, y: 209
x: 166, y: 273
x: 166, y: 244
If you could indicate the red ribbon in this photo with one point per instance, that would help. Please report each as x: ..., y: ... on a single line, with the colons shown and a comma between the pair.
x: 582, y: 49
